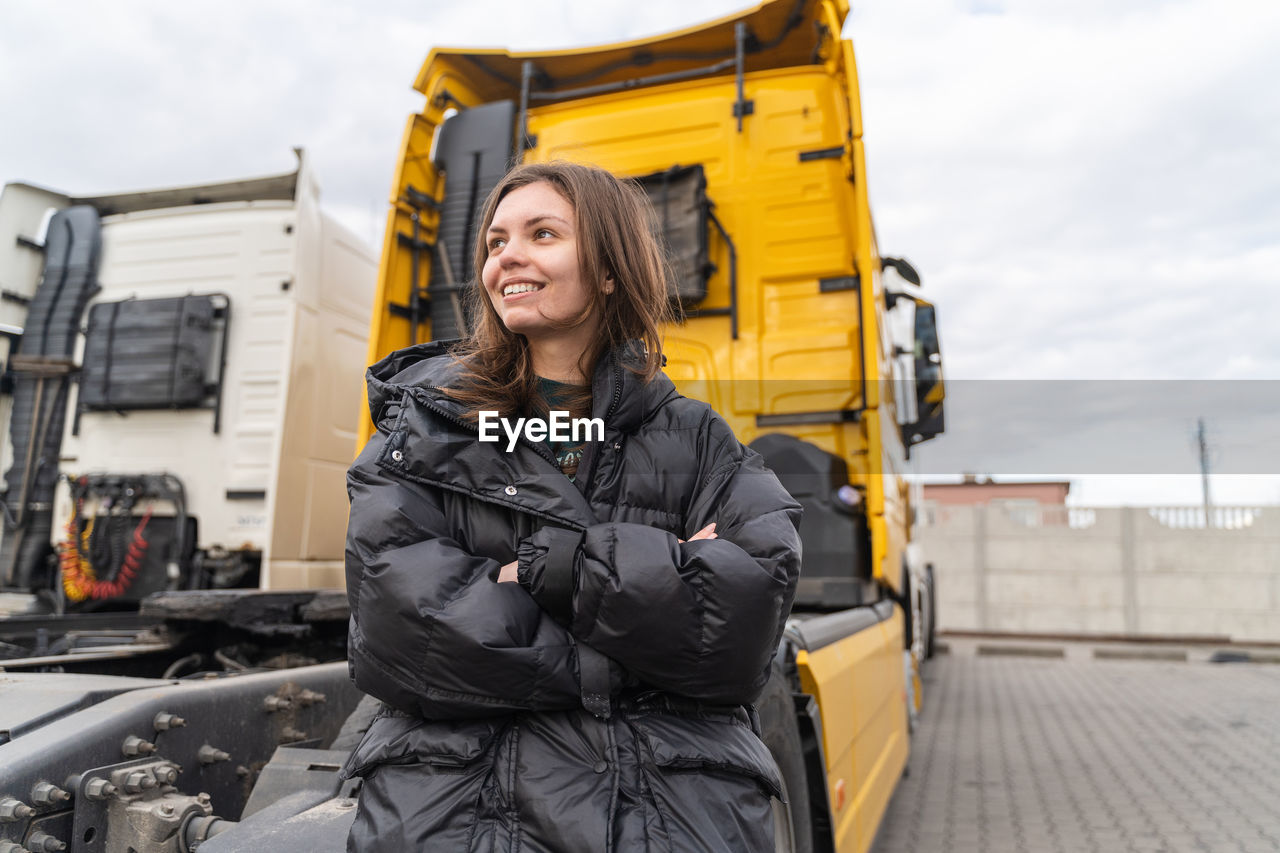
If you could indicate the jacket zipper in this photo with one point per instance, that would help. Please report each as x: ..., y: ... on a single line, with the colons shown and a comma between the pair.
x: 591, y: 455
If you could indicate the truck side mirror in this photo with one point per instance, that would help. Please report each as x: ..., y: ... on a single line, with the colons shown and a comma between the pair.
x: 930, y: 390
x: 903, y: 267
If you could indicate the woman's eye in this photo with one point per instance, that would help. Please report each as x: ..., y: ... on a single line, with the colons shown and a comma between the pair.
x: 542, y: 232
x: 496, y: 244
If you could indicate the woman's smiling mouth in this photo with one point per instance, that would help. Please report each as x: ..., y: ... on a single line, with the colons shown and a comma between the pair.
x: 520, y: 287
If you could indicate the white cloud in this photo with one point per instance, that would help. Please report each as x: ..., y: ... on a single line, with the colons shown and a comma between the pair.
x: 1090, y: 188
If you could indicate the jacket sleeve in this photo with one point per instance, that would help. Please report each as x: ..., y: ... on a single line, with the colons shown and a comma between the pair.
x: 431, y: 633
x: 699, y: 618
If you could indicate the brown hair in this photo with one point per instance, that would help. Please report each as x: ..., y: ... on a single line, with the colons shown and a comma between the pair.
x: 613, y: 222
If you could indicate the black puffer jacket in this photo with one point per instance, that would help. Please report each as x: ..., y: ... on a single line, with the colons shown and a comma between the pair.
x: 597, y: 704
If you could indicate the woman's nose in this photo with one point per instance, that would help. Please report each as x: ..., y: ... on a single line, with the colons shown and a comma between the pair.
x: 513, y: 254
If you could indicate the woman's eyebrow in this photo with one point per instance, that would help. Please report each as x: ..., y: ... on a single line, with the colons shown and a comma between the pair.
x: 529, y: 223
x: 535, y: 220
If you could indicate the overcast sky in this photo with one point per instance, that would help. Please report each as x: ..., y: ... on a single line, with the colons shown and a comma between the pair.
x: 1090, y: 189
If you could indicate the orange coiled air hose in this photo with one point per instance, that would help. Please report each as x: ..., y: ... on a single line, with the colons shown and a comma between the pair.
x: 79, y: 580
x: 77, y: 574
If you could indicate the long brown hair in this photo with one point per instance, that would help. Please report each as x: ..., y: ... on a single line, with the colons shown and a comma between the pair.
x: 613, y: 225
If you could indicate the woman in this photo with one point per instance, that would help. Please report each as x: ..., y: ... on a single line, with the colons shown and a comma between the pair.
x: 564, y: 636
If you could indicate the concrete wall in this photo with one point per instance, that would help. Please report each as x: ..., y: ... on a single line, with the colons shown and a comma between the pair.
x: 1129, y: 570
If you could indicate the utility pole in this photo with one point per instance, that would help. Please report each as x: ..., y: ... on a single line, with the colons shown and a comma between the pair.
x: 1204, y: 469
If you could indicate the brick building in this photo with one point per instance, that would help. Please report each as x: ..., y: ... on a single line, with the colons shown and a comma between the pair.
x: 983, y: 490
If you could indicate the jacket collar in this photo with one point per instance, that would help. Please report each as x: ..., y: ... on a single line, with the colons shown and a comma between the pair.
x: 619, y: 396
x: 432, y: 442
x: 419, y: 366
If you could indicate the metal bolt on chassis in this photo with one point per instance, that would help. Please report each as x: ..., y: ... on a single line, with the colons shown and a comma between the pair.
x: 42, y: 842
x: 11, y: 810
x: 48, y: 794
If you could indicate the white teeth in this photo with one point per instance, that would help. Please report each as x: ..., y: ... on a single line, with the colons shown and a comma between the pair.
x: 520, y: 288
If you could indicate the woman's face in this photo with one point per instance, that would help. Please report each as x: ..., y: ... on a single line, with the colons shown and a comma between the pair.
x: 531, y: 274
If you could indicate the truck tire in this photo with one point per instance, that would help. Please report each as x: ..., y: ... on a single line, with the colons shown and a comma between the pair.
x: 354, y: 727
x: 932, y: 628
x: 778, y: 729
x: 909, y: 610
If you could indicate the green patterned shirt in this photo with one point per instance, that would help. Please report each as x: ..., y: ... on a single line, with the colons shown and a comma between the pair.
x: 567, y: 453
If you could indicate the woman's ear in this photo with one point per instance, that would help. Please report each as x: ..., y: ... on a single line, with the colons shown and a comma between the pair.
x: 608, y: 284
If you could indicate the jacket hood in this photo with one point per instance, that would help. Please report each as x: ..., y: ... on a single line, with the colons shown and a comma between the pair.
x: 619, y: 395
x: 429, y: 364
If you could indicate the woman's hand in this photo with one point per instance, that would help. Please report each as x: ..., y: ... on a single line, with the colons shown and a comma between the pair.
x: 507, y: 574
x: 708, y: 532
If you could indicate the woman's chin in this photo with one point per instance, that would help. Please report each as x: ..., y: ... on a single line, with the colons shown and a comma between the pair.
x: 528, y: 330
x: 535, y: 326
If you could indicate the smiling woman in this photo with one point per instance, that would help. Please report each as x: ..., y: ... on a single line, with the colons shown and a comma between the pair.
x: 531, y: 275
x: 564, y: 634
x: 568, y: 271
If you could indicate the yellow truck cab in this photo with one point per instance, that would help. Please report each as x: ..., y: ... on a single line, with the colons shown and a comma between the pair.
x: 746, y: 133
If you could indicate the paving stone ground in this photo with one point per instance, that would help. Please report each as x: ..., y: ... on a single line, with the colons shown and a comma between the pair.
x: 1073, y: 754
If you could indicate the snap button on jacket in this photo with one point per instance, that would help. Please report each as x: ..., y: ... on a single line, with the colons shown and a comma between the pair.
x: 597, y: 704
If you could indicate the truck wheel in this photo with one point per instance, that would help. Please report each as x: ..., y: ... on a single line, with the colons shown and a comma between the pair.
x: 353, y: 729
x: 784, y: 836
x: 778, y: 726
x: 932, y: 629
x: 910, y: 610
